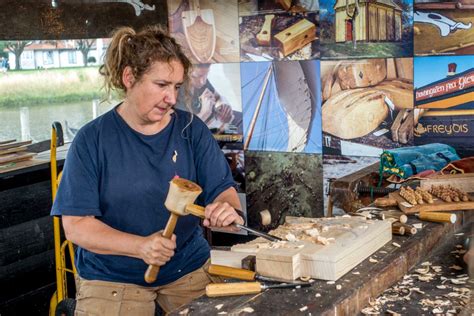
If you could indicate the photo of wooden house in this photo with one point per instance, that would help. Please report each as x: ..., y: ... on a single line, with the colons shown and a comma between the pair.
x: 379, y: 20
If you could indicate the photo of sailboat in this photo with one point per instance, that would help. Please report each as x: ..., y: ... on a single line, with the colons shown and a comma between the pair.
x: 282, y: 106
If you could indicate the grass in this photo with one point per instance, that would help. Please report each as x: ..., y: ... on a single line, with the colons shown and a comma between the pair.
x: 63, y: 85
x: 364, y: 49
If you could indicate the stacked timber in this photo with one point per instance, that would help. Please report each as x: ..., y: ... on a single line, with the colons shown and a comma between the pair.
x: 12, y: 151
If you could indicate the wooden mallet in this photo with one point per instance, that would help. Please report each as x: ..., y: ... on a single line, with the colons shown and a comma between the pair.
x: 182, y: 193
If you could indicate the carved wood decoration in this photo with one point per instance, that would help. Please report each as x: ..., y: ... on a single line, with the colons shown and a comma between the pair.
x: 69, y: 19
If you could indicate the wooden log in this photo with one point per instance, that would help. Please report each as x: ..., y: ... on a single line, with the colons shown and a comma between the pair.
x: 296, y: 36
x: 362, y: 73
x: 264, y: 36
x: 409, y: 230
x: 398, y: 230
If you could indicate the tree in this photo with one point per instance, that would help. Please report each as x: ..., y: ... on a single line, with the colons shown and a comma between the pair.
x: 353, y: 18
x: 17, y: 47
x: 84, y: 45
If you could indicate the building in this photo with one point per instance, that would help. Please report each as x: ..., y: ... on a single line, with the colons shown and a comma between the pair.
x: 58, y: 54
x: 379, y: 20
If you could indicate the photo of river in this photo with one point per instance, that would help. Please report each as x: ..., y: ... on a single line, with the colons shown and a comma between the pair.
x: 34, y: 122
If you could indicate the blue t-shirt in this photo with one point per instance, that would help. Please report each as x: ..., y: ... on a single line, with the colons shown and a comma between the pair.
x: 122, y: 178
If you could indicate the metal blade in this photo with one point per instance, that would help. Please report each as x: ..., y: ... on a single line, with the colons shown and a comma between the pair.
x: 269, y: 279
x: 258, y: 233
x: 286, y: 285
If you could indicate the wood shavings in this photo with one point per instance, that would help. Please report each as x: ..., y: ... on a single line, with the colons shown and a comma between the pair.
x: 417, y: 289
x: 437, y: 311
x: 396, y: 245
x: 184, y: 311
x: 330, y: 282
x: 291, y: 237
x: 314, y: 232
x: 418, y: 225
x: 423, y: 270
x: 305, y: 278
x: 218, y: 307
x: 393, y: 313
x: 302, y: 309
x: 373, y: 260
x: 346, y: 216
x: 356, y: 273
x: 318, y: 295
x: 459, y: 251
x: 370, y: 311
x: 338, y: 287
x: 246, y: 310
x: 426, y: 263
x: 441, y: 287
x: 322, y: 240
x: 437, y: 269
x: 222, y: 313
x: 459, y: 280
x: 459, y: 246
x: 455, y: 267
x: 459, y: 234
x: 426, y: 277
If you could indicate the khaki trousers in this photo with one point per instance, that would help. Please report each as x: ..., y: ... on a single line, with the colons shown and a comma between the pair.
x: 101, y: 298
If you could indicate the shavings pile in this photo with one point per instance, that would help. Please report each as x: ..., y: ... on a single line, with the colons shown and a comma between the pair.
x: 447, y: 295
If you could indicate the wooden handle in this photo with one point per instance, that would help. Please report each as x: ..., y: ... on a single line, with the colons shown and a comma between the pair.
x: 384, y: 202
x: 398, y: 216
x: 229, y: 289
x: 195, y: 210
x: 437, y: 217
x: 264, y: 36
x: 398, y: 230
x: 230, y: 272
x: 409, y: 230
x: 152, y: 272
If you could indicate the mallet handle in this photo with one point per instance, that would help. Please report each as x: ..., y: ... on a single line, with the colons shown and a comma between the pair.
x: 152, y: 271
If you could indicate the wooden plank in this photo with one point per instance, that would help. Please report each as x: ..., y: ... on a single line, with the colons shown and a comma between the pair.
x: 21, y: 164
x: 12, y: 150
x: 405, y: 68
x: 464, y: 182
x: 14, y: 144
x: 3, y: 142
x: 296, y: 36
x: 349, y: 241
x: 391, y: 69
x: 438, y: 205
x: 16, y: 157
x: 228, y: 258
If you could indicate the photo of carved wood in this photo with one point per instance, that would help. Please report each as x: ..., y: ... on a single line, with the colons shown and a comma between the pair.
x: 443, y: 28
x: 207, y: 30
x: 367, y: 105
x: 278, y: 30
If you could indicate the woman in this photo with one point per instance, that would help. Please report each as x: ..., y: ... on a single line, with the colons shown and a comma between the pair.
x: 116, y: 178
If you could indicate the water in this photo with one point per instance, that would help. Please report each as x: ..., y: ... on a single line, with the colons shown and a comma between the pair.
x: 38, y: 119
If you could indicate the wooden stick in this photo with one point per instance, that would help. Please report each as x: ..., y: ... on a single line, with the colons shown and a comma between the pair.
x: 437, y: 217
x: 409, y: 230
x: 398, y: 230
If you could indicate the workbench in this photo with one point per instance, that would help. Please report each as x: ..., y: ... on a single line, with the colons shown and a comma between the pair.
x: 366, y: 281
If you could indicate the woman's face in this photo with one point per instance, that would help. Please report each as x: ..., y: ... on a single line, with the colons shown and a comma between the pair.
x: 155, y: 94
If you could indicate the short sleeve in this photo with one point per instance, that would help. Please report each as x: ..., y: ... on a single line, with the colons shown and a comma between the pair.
x: 78, y: 192
x: 213, y: 171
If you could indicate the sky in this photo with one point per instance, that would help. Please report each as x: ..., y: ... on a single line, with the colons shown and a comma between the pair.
x: 272, y: 134
x: 431, y: 69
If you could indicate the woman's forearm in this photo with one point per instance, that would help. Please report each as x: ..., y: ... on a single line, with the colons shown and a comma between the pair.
x: 93, y: 235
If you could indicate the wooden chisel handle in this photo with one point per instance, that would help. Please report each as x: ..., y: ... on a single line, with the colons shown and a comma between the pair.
x: 152, y: 271
x: 437, y: 217
x: 195, y: 210
x: 229, y: 289
x: 230, y: 272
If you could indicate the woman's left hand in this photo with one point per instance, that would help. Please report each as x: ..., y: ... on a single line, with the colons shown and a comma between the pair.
x: 221, y: 214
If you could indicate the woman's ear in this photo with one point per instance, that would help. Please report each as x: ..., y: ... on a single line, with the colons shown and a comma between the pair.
x: 128, y: 78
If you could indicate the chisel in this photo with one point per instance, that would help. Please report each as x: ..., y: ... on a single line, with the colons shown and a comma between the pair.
x: 243, y: 274
x: 198, y: 211
x: 437, y: 217
x: 229, y: 289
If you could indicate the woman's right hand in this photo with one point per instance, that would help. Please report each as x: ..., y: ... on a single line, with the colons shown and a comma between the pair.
x: 158, y: 250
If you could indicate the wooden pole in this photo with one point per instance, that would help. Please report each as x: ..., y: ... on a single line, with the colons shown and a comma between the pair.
x: 257, y: 109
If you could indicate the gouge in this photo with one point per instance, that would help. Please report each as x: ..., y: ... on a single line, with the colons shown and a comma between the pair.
x: 229, y: 289
x: 243, y: 274
x: 198, y: 211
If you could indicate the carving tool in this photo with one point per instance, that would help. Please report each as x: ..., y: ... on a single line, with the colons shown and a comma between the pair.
x: 229, y: 289
x: 198, y: 211
x: 242, y: 274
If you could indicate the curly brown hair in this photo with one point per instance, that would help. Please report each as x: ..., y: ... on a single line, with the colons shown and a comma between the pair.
x: 139, y: 50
